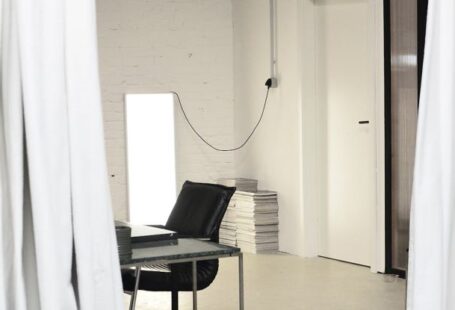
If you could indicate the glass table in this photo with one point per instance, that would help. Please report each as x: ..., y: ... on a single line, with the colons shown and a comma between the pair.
x: 187, y: 250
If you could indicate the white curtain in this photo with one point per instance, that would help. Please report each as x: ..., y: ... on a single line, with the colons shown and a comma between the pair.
x: 431, y: 281
x: 57, y: 241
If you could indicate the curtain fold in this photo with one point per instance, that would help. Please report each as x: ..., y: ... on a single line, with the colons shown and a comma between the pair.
x: 431, y: 273
x: 55, y: 212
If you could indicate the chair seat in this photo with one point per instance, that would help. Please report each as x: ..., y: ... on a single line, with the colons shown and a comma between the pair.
x: 179, y: 279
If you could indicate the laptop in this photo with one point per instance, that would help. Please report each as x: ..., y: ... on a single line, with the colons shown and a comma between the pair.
x: 143, y: 236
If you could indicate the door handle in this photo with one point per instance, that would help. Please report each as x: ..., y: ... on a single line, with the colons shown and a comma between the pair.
x: 364, y: 122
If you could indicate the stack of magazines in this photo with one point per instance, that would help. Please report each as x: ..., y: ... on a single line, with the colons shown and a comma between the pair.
x: 251, y: 220
x: 257, y: 221
x: 242, y: 184
x: 228, y: 229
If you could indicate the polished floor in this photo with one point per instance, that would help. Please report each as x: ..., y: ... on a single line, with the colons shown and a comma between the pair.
x: 285, y: 282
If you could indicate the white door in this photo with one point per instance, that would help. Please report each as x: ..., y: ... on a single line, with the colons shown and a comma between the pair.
x: 345, y: 93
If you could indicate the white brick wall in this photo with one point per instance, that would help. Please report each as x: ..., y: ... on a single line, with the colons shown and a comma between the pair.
x: 182, y: 45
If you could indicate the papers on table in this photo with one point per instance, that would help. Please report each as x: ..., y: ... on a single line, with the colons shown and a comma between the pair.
x: 251, y: 220
x: 123, y: 234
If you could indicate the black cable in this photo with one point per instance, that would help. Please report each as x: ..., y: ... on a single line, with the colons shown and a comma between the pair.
x: 208, y: 143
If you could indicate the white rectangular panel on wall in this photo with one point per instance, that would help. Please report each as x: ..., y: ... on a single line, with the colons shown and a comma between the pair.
x: 150, y: 157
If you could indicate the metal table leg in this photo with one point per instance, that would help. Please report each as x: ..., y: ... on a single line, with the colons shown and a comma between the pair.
x: 241, y: 292
x: 194, y: 285
x: 136, y: 288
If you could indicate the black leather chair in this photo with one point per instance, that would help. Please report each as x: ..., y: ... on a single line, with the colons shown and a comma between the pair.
x: 197, y: 213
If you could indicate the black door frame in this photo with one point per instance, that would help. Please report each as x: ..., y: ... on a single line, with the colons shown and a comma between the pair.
x: 422, y: 7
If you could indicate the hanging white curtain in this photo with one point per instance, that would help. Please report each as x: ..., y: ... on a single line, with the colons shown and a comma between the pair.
x: 57, y: 241
x: 431, y: 281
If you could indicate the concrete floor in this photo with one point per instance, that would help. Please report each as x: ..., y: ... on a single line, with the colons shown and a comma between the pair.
x: 285, y: 282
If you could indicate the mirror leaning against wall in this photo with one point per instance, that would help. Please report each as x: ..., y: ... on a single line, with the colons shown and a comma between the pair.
x: 150, y: 136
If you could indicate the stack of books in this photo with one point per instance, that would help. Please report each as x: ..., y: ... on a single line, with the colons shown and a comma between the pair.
x: 257, y: 221
x: 228, y: 229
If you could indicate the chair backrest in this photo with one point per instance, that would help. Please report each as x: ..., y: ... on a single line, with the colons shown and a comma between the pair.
x: 199, y: 209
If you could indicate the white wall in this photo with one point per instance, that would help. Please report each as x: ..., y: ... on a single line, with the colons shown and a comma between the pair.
x: 182, y: 45
x: 216, y: 54
x: 275, y: 154
x: 286, y: 153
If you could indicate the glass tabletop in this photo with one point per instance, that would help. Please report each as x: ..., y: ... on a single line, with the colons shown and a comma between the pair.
x: 185, y: 249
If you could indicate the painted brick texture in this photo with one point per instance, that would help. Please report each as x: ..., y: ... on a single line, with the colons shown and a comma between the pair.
x: 155, y: 46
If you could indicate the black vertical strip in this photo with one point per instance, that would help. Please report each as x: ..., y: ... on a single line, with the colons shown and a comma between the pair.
x: 388, y: 137
x: 422, y: 7
x: 422, y: 10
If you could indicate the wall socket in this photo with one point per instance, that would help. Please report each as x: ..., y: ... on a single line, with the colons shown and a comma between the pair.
x: 274, y: 82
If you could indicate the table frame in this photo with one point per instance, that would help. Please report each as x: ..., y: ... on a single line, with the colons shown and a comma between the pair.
x: 194, y: 261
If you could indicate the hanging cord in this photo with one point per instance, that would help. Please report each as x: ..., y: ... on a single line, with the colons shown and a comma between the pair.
x: 268, y: 84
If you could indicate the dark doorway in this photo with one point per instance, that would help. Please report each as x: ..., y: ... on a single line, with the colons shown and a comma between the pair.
x: 405, y: 26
